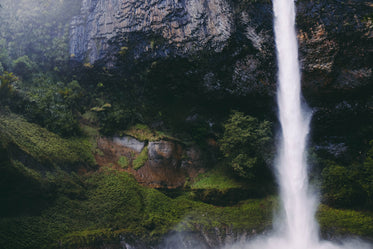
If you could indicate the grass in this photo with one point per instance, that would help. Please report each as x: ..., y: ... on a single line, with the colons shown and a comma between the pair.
x: 42, y: 145
x: 216, y: 178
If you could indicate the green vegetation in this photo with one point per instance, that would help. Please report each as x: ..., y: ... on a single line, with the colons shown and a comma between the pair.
x: 142, y: 132
x: 141, y: 159
x: 7, y: 81
x: 35, y: 33
x: 114, y: 204
x: 216, y: 178
x: 246, y: 144
x: 53, y: 196
x: 53, y: 105
x: 42, y: 145
x: 345, y: 222
x: 123, y: 162
x: 351, y: 185
x: 23, y: 66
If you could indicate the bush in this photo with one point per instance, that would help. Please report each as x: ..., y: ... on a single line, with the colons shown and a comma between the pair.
x: 53, y: 105
x: 246, y: 144
x: 23, y: 66
x: 341, y: 186
x: 6, y: 85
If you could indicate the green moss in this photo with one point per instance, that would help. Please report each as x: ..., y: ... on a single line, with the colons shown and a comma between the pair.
x: 216, y: 179
x: 43, y: 145
x: 141, y: 159
x: 144, y: 133
x: 343, y: 221
x: 98, y: 208
x: 123, y: 162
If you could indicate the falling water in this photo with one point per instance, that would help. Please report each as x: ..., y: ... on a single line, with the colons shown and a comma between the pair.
x: 297, y: 227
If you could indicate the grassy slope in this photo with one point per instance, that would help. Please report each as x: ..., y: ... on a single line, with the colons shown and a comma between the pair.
x: 43, y: 146
x: 89, y: 208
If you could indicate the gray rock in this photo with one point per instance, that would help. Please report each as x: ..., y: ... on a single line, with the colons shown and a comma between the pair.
x: 161, y: 151
x: 130, y: 142
x: 187, y: 26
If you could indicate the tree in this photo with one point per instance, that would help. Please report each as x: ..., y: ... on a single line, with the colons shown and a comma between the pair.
x: 23, y: 66
x: 6, y: 80
x: 246, y: 144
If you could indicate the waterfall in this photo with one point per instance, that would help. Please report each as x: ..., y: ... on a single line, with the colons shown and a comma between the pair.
x: 299, y: 206
x: 297, y: 227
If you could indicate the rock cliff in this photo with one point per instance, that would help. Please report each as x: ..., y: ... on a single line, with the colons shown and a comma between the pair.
x: 334, y: 37
x: 229, y: 47
x: 184, y: 26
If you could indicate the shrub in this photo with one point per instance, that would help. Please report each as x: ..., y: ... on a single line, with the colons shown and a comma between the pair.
x: 6, y: 85
x: 245, y: 144
x: 23, y: 66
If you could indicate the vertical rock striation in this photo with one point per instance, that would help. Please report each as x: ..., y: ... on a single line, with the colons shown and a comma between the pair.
x: 185, y: 26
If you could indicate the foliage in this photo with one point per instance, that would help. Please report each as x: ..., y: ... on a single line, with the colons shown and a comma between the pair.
x: 23, y: 66
x: 141, y: 159
x: 101, y: 207
x: 216, y: 178
x: 4, y: 54
x: 38, y: 29
x: 142, y: 132
x: 117, y: 117
x: 6, y: 85
x: 43, y: 146
x: 340, y: 186
x: 349, y: 186
x: 123, y: 162
x: 245, y: 143
x: 345, y: 222
x: 115, y: 205
x: 367, y: 171
x: 53, y: 105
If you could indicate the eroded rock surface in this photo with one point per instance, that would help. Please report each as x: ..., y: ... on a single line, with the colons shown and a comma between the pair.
x: 168, y: 165
x: 184, y: 26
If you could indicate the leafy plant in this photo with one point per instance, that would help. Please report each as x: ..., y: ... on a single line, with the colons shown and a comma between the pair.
x: 6, y: 85
x: 349, y: 185
x: 246, y: 144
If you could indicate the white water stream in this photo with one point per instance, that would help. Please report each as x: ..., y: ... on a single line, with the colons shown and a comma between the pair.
x: 296, y: 228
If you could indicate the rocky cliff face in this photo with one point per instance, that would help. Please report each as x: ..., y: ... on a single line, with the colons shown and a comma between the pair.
x: 184, y: 26
x: 167, y: 164
x: 334, y: 36
x: 229, y: 47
